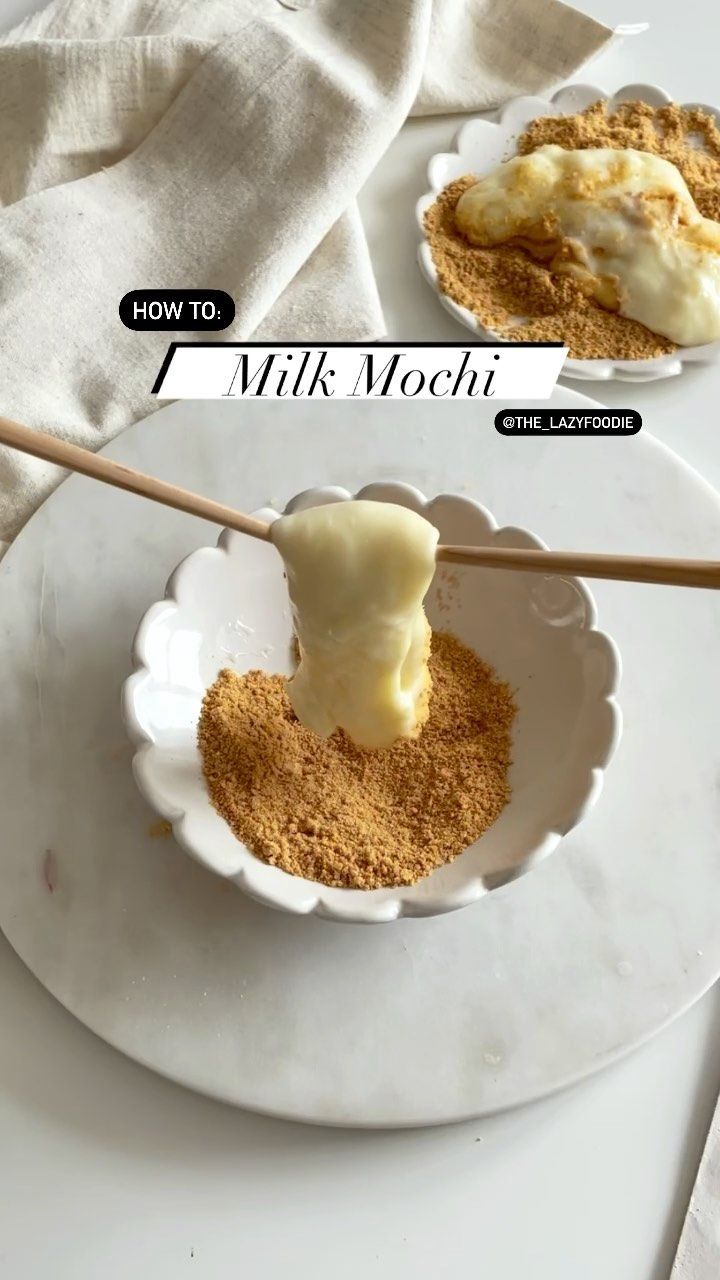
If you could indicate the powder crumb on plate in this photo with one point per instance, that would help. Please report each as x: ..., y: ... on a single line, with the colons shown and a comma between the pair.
x: 160, y: 830
x: 328, y: 811
x: 520, y: 300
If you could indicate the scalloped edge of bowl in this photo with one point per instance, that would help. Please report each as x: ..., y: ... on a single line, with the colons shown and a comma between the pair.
x: 514, y: 115
x: 355, y: 906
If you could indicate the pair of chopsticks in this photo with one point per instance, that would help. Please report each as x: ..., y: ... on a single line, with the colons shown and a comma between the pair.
x: 662, y: 570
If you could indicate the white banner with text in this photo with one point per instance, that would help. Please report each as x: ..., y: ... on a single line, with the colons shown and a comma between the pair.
x: 377, y: 371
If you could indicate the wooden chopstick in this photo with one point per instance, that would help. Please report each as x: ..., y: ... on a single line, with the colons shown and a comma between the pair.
x: 41, y: 445
x: 582, y: 564
x: 668, y: 572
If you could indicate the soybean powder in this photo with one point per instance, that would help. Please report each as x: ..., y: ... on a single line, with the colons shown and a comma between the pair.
x: 331, y: 812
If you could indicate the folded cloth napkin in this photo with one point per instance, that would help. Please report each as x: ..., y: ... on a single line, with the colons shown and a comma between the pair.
x: 174, y: 144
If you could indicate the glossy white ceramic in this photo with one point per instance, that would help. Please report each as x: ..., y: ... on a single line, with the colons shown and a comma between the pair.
x: 226, y: 606
x: 480, y: 146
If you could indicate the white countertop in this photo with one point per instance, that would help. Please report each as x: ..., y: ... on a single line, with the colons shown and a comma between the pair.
x: 109, y: 1171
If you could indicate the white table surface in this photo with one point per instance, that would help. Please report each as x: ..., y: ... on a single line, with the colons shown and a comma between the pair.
x: 111, y: 1172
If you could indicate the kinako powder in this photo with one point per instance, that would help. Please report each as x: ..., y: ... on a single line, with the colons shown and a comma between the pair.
x: 331, y: 812
x: 518, y: 298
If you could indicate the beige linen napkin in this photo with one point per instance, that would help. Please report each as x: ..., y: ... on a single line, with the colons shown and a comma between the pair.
x: 218, y: 144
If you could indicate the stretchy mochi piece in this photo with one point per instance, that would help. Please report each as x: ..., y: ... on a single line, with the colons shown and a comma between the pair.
x: 357, y: 574
x: 621, y: 222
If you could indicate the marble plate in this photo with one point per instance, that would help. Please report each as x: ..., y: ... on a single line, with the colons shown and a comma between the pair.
x: 536, y: 985
x: 482, y: 144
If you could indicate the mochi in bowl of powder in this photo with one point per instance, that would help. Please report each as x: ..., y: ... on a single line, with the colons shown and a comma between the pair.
x: 504, y: 292
x: 511, y: 757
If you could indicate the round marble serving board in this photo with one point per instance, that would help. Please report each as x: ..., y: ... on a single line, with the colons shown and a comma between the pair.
x: 416, y: 1022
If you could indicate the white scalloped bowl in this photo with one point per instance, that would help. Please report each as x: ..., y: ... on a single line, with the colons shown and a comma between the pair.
x: 483, y: 144
x: 226, y: 606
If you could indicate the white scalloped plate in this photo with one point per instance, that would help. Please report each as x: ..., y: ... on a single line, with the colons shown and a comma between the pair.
x: 227, y: 606
x: 480, y: 146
